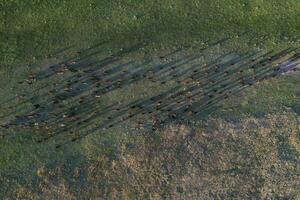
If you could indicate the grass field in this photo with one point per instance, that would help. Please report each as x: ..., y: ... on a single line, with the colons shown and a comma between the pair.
x: 246, y: 146
x: 38, y: 28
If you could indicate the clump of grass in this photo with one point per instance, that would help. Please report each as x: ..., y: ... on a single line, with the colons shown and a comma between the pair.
x: 50, y: 191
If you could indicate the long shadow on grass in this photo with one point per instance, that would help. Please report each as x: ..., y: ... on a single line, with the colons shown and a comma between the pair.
x: 74, y: 109
x: 88, y: 74
x: 185, y: 102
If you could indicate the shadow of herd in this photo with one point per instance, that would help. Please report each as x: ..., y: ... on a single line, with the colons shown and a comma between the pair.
x: 197, y: 88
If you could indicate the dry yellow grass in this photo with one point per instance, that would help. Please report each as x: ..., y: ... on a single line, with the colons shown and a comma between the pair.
x: 253, y: 158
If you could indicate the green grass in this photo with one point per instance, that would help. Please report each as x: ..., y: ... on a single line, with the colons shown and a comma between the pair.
x: 38, y: 33
x: 37, y: 28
